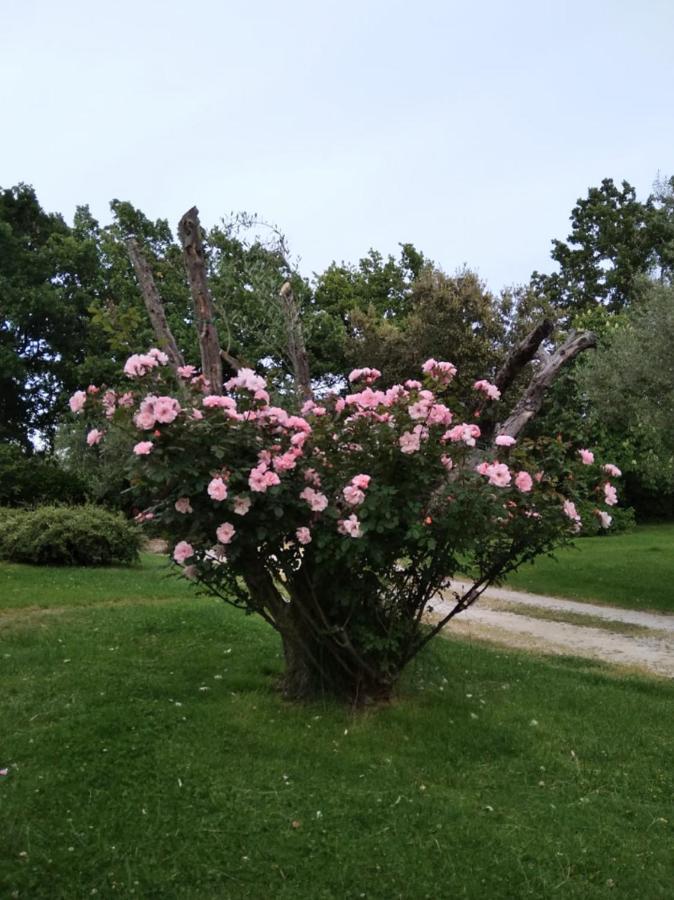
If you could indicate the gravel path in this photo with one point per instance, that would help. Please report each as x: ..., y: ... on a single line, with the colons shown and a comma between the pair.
x: 651, y: 649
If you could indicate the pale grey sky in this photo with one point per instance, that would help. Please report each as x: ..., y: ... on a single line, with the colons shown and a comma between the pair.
x: 469, y: 129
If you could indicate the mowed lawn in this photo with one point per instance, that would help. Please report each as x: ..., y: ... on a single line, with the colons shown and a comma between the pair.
x: 149, y: 756
x: 634, y: 570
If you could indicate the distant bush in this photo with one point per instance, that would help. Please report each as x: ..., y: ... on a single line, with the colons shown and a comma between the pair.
x: 67, y: 536
x: 29, y: 480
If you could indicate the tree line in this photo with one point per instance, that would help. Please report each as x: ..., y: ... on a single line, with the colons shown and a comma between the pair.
x: 71, y: 311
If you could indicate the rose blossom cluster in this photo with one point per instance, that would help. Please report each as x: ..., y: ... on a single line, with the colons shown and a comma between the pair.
x: 296, y: 460
x: 369, y: 376
x: 442, y: 372
x: 489, y: 390
x: 141, y: 363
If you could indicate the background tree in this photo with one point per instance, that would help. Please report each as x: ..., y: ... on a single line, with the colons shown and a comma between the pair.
x: 45, y: 329
x: 615, y: 241
x: 629, y: 391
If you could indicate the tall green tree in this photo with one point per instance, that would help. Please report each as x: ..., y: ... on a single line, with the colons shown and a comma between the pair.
x: 616, y: 242
x: 45, y: 327
x: 629, y: 384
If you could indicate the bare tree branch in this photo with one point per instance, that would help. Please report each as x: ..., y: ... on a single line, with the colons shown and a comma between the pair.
x: 189, y: 231
x: 296, y: 348
x: 522, y: 354
x: 154, y: 305
x: 231, y: 361
x: 532, y: 399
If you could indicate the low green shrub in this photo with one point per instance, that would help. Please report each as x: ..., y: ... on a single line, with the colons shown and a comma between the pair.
x: 67, y: 536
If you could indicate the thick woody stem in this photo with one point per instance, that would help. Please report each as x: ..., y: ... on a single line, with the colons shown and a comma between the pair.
x: 189, y: 231
x: 154, y: 305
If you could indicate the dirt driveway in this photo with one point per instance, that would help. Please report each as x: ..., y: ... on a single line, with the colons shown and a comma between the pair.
x: 638, y: 640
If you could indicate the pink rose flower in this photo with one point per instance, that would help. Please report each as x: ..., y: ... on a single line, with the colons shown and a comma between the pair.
x: 183, y: 551
x: 303, y: 535
x: 361, y: 481
x: 225, y: 532
x: 604, y: 518
x: 570, y: 511
x: 247, y: 380
x: 350, y: 527
x: 139, y: 364
x: 159, y: 355
x: 317, y: 501
x: 143, y: 448
x: 109, y: 402
x: 77, y: 401
x: 369, y: 376
x: 261, y: 479
x: 286, y: 461
x: 447, y: 462
x: 498, y: 474
x: 145, y: 418
x: 166, y: 409
x: 94, y: 437
x: 439, y: 414
x: 312, y: 476
x: 586, y: 457
x: 612, y: 470
x: 440, y: 371
x: 504, y: 440
x: 610, y: 494
x: 410, y: 441
x: 353, y: 495
x: 464, y: 432
x: 418, y: 410
x: 219, y: 401
x: 187, y: 371
x: 524, y: 482
x: 241, y: 505
x: 183, y: 505
x: 217, y: 489
x: 488, y: 389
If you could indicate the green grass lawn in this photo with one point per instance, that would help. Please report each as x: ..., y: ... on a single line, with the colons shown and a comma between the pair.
x: 149, y: 756
x: 634, y: 570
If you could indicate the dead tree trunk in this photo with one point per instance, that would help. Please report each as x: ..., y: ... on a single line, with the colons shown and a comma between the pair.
x: 189, y: 231
x: 522, y: 354
x: 296, y: 347
x: 531, y: 401
x: 154, y: 305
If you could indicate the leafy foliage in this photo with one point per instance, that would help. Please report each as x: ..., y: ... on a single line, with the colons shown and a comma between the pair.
x: 630, y: 386
x: 616, y: 241
x: 67, y: 536
x: 26, y: 480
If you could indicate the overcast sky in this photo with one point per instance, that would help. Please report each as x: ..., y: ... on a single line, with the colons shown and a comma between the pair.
x: 469, y: 129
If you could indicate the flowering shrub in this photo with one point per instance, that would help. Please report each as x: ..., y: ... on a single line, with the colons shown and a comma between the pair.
x: 340, y: 524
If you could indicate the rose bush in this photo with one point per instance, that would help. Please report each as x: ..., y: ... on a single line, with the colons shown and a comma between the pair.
x: 340, y: 524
